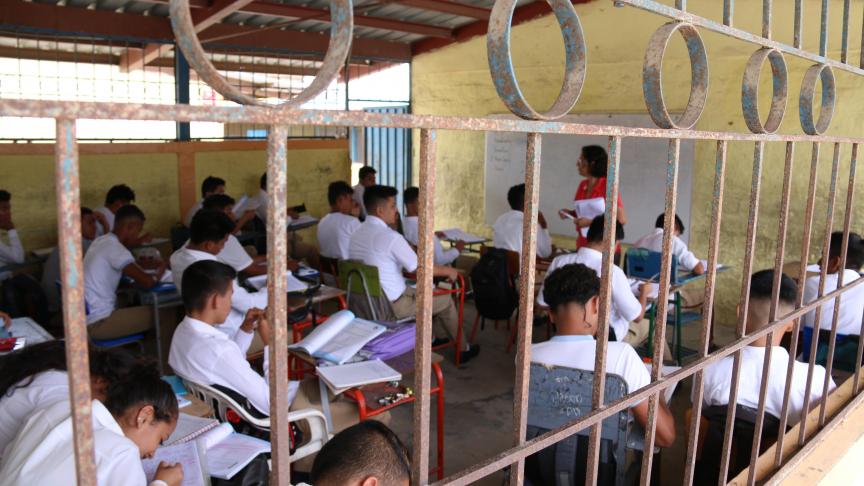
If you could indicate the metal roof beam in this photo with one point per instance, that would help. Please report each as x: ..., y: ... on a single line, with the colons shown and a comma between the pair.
x: 448, y: 7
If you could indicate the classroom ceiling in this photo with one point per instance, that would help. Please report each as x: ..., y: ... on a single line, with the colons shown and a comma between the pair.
x: 384, y: 30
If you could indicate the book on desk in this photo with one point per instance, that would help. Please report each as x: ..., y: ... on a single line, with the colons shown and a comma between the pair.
x: 292, y: 283
x: 339, y: 338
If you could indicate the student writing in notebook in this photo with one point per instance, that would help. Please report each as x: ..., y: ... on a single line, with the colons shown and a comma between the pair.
x: 507, y: 230
x: 116, y: 197
x: 366, y: 454
x: 209, y: 186
x: 653, y: 241
x: 337, y: 226
x: 21, y: 293
x: 411, y: 229
x: 51, y: 268
x: 138, y: 414
x: 233, y: 253
x: 35, y: 377
x: 201, y: 353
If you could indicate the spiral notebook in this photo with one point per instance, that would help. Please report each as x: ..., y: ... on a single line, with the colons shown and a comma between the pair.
x: 189, y: 428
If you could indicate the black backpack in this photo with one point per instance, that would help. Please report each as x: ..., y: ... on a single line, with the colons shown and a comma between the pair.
x: 494, y: 292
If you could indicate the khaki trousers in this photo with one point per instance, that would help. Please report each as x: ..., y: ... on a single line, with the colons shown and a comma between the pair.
x: 638, y: 334
x: 445, y: 318
x: 123, y: 322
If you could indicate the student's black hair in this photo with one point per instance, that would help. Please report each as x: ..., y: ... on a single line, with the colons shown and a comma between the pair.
x: 120, y: 192
x: 5, y: 196
x: 573, y: 283
x: 411, y: 195
x: 661, y: 221
x: 854, y: 252
x: 595, y: 231
x: 210, y: 183
x: 142, y: 387
x: 263, y: 182
x: 365, y: 171
x: 597, y: 160
x: 376, y: 195
x: 337, y: 189
x: 516, y: 197
x: 762, y: 282
x: 20, y: 367
x: 203, y: 279
x: 366, y: 449
x: 210, y: 225
x: 218, y: 202
x: 85, y: 211
x: 126, y: 213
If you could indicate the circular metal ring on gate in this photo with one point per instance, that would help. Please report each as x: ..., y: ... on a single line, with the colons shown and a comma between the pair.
x: 652, y: 83
x: 750, y: 90
x: 501, y: 63
x: 342, y: 23
x: 805, y: 100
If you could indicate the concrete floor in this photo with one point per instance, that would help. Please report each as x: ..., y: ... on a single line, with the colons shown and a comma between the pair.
x: 479, y: 404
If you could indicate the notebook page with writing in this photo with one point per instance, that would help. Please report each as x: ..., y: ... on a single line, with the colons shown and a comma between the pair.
x: 185, y: 454
x: 227, y: 457
x: 189, y: 427
x: 324, y: 332
x: 344, y: 345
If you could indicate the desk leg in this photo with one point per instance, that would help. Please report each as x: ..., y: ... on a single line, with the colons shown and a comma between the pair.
x: 325, y: 405
x: 158, y: 325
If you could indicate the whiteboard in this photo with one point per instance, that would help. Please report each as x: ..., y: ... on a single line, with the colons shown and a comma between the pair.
x: 642, y: 178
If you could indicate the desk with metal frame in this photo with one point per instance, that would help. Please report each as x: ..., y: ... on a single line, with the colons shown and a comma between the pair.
x: 162, y: 296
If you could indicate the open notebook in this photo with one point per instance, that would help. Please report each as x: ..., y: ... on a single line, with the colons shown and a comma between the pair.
x: 339, y: 338
x: 292, y: 283
x: 224, y: 451
x: 344, y: 377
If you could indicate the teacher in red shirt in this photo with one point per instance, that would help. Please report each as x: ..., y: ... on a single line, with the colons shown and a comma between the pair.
x: 592, y: 166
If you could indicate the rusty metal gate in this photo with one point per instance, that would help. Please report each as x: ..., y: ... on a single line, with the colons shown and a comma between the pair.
x: 536, y: 124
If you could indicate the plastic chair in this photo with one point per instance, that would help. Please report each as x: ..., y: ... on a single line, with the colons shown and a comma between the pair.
x: 221, y: 403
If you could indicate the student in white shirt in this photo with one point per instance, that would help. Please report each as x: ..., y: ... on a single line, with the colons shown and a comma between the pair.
x: 203, y: 354
x: 654, y: 241
x: 117, y: 197
x: 51, y: 267
x: 366, y: 454
x: 851, y: 301
x: 366, y: 178
x: 627, y: 319
x: 376, y: 244
x: 207, y: 236
x: 718, y: 376
x: 11, y: 250
x: 209, y: 186
x: 411, y: 229
x: 138, y: 415
x: 21, y: 294
x: 107, y: 261
x: 36, y: 377
x: 259, y: 202
x: 337, y: 226
x: 233, y: 253
x: 507, y: 230
x: 572, y: 294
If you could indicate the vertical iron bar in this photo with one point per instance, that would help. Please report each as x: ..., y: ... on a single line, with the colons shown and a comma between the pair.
x: 766, y: 19
x: 847, y: 221
x: 797, y: 28
x: 277, y: 307
x: 823, y: 273
x: 802, y: 275
x: 707, y: 309
x: 66, y: 183
x: 423, y: 346
x: 526, y: 300
x: 772, y: 313
x: 844, y: 40
x: 823, y: 33
x: 729, y: 12
x: 666, y: 278
x: 602, y: 338
x: 747, y: 269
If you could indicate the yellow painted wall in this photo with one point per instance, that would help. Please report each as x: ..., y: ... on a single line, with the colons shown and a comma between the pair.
x: 154, y: 177
x: 456, y: 81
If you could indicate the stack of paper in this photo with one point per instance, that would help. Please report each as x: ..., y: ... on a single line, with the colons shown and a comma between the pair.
x: 345, y: 377
x: 589, y: 209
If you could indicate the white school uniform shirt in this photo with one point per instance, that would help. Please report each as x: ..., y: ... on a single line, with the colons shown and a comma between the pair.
x: 109, y: 217
x: 202, y: 354
x: 654, y: 241
x: 46, y: 388
x: 51, y: 274
x: 376, y: 244
x: 11, y: 250
x: 851, y: 304
x: 241, y: 301
x: 191, y: 213
x: 411, y: 230
x: 259, y: 203
x: 234, y: 254
x: 625, y: 306
x: 359, y: 189
x: 507, y: 234
x: 43, y: 453
x: 103, y: 268
x: 334, y: 234
x: 718, y: 380
x: 579, y: 351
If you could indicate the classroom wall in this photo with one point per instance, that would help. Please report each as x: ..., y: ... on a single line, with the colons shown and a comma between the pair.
x: 166, y: 178
x: 455, y: 80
